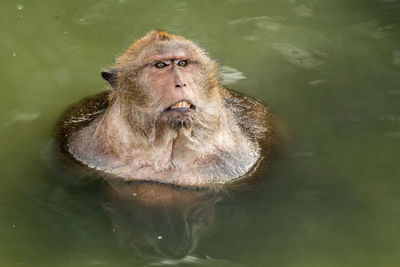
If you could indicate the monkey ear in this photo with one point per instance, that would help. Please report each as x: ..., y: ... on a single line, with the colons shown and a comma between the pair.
x: 110, y: 77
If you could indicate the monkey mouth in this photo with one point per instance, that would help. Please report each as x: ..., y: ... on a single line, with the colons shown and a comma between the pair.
x: 181, y: 106
x: 179, y: 115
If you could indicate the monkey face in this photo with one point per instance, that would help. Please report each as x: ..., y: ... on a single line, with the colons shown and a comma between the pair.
x: 168, y: 78
x: 173, y: 79
x: 171, y: 75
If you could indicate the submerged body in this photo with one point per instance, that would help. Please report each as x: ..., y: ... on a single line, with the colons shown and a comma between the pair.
x: 166, y: 118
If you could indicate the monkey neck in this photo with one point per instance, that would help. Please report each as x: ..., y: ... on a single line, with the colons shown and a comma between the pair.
x: 129, y: 136
x: 213, y: 148
x: 122, y: 129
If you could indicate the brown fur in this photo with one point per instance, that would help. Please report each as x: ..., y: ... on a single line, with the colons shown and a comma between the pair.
x: 131, y: 136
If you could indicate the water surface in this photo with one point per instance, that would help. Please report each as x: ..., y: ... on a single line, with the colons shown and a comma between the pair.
x: 329, y: 69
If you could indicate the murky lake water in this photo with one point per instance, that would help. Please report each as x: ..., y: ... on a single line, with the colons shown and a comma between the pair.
x: 329, y: 69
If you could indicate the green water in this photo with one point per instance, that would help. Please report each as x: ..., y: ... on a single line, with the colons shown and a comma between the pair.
x: 330, y: 69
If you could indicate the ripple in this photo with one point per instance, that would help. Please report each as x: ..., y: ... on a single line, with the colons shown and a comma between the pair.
x: 252, y: 38
x: 394, y: 92
x: 229, y: 75
x: 392, y: 134
x: 181, y: 6
x: 208, y: 261
x: 187, y: 259
x: 316, y: 82
x: 299, y: 56
x: 95, y: 13
x: 262, y: 22
x: 396, y: 57
x: 371, y: 28
x: 22, y: 117
x: 303, y: 11
x: 389, y: 118
x: 269, y: 25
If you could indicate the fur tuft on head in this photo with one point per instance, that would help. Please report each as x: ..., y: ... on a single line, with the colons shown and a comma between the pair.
x: 153, y: 42
x: 150, y: 39
x: 163, y: 35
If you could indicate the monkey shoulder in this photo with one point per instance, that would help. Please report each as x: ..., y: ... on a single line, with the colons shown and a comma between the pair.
x: 255, y: 120
x: 79, y: 115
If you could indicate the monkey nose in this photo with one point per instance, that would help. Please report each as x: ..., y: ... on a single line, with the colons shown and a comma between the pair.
x: 180, y: 84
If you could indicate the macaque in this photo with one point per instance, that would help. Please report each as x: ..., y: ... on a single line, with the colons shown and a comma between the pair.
x: 166, y: 118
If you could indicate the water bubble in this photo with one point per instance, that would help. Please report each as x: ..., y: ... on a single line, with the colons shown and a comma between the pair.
x: 20, y: 7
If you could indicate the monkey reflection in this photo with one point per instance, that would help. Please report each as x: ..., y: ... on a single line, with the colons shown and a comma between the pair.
x: 158, y: 220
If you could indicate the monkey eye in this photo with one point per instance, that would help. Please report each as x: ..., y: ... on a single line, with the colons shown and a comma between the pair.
x: 161, y: 65
x: 182, y: 63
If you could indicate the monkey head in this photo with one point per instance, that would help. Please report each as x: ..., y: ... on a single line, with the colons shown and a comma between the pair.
x: 167, y: 79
